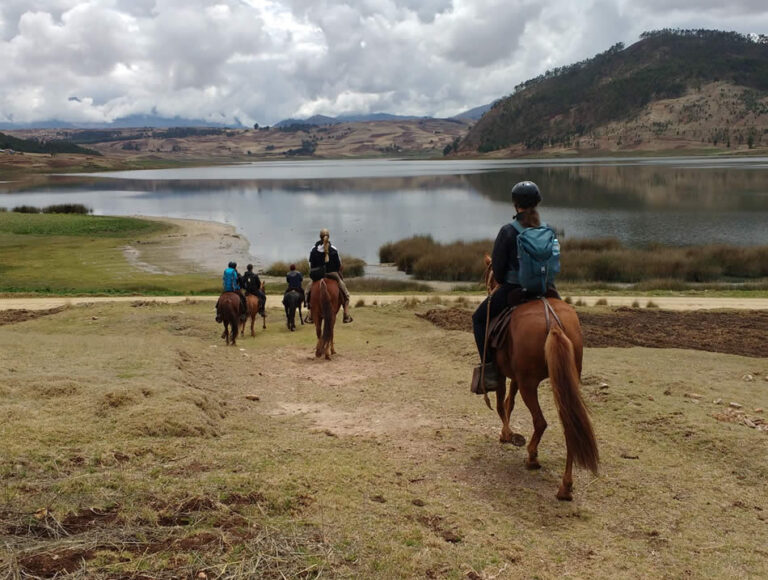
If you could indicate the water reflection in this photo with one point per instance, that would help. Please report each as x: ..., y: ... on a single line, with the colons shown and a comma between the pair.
x: 280, y: 207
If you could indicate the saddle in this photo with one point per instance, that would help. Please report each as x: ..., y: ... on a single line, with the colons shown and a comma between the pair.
x: 497, y: 327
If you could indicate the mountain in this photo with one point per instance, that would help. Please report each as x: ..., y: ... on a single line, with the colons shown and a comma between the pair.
x: 129, y: 121
x: 474, y: 113
x: 318, y: 120
x: 671, y: 89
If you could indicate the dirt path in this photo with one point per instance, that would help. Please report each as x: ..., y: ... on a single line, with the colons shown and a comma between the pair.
x: 664, y: 303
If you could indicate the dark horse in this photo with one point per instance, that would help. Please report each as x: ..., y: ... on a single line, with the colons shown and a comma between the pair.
x: 253, y: 304
x: 228, y: 308
x: 324, y: 304
x: 292, y: 301
x: 544, y: 340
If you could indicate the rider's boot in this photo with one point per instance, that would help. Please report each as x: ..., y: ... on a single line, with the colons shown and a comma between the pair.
x: 347, y: 317
x: 490, y: 378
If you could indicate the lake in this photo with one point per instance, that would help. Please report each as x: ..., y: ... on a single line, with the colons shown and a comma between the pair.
x: 281, y: 206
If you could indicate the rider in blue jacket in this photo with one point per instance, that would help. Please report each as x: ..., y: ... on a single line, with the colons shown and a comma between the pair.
x: 231, y: 283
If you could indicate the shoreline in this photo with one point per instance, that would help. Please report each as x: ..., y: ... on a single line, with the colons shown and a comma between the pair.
x: 192, y: 245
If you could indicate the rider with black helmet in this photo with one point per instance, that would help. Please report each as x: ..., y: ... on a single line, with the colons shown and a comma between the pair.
x: 525, y: 197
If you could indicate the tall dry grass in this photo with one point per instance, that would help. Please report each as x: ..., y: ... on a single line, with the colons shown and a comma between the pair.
x: 582, y: 260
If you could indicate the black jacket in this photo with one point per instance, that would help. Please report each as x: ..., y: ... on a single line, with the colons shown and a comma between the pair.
x: 317, y: 258
x: 251, y: 282
x: 504, y: 256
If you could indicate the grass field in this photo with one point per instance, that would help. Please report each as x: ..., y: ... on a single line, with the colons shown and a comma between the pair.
x: 135, y: 444
x: 82, y: 254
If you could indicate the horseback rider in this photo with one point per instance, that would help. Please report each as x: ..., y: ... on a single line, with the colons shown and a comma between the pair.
x: 294, y: 279
x: 525, y: 197
x: 231, y: 283
x: 252, y: 285
x: 325, y: 257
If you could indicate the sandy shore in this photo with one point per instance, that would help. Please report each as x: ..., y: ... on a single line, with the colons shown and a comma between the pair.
x: 191, y: 246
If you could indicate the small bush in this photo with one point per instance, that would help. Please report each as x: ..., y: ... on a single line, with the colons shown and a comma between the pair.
x: 601, y: 302
x: 353, y: 267
x: 77, y: 208
x: 26, y: 209
x: 282, y: 268
x: 635, y: 304
x: 651, y: 304
x: 360, y: 303
x: 3, y: 209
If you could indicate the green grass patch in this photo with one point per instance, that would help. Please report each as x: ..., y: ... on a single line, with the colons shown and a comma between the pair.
x: 81, y: 254
x: 54, y: 224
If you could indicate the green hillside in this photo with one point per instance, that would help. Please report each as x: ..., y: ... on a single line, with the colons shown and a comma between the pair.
x: 35, y: 146
x: 565, y: 104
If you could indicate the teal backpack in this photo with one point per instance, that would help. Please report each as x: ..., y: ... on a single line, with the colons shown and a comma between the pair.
x: 538, y: 253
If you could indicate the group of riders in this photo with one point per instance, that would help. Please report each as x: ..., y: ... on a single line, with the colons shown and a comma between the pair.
x: 324, y: 261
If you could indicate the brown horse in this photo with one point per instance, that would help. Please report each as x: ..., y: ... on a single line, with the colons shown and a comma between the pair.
x: 544, y: 340
x: 254, y: 305
x: 228, y: 308
x: 324, y: 304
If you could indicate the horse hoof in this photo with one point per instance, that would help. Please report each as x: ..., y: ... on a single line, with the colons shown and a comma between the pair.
x: 564, y: 495
x: 532, y: 465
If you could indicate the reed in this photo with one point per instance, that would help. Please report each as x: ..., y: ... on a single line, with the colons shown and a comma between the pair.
x: 590, y: 261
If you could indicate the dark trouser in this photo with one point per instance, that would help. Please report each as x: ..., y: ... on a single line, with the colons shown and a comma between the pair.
x: 262, y: 298
x: 499, y: 301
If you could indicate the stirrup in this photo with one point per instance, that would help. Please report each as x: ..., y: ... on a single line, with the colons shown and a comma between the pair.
x: 491, y: 377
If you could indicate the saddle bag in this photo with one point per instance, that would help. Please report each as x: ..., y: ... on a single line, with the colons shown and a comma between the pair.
x: 316, y: 274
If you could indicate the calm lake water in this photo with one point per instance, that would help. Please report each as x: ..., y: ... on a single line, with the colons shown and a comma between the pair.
x: 281, y: 206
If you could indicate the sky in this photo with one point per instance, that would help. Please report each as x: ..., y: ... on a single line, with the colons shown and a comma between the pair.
x: 260, y: 61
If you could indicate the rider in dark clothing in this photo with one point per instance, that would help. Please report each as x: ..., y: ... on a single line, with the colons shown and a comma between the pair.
x: 294, y: 279
x: 525, y: 196
x: 324, y: 255
x: 252, y: 285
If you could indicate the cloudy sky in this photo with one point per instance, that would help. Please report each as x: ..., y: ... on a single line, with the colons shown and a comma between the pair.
x: 265, y: 60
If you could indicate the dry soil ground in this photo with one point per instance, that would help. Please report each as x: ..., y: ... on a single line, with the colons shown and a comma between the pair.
x: 135, y: 444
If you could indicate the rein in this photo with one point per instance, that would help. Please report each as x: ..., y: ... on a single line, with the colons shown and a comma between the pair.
x: 547, y: 310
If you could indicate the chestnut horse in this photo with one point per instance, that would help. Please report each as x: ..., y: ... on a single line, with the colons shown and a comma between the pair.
x: 254, y: 304
x: 324, y: 304
x: 228, y: 308
x: 544, y: 340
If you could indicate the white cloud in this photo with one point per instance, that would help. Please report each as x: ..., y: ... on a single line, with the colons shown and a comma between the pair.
x: 264, y: 60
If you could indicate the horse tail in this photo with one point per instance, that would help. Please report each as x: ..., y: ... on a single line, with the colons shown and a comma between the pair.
x: 564, y: 377
x: 327, y: 308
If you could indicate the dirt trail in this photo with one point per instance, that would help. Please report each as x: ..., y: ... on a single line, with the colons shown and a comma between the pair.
x: 664, y: 303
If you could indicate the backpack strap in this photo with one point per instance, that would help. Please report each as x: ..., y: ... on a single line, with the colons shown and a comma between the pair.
x: 518, y: 226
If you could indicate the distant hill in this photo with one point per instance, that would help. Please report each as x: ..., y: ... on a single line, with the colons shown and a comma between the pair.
x: 42, y: 146
x: 129, y: 121
x: 474, y: 113
x: 320, y: 120
x: 673, y: 88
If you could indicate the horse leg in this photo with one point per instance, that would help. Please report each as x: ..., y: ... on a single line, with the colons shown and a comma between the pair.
x: 264, y: 321
x: 319, y: 332
x: 501, y: 390
x: 509, y: 405
x: 530, y: 395
x: 566, y: 487
x: 300, y: 316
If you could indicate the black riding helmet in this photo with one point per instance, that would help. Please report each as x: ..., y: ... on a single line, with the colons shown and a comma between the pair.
x: 526, y: 194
